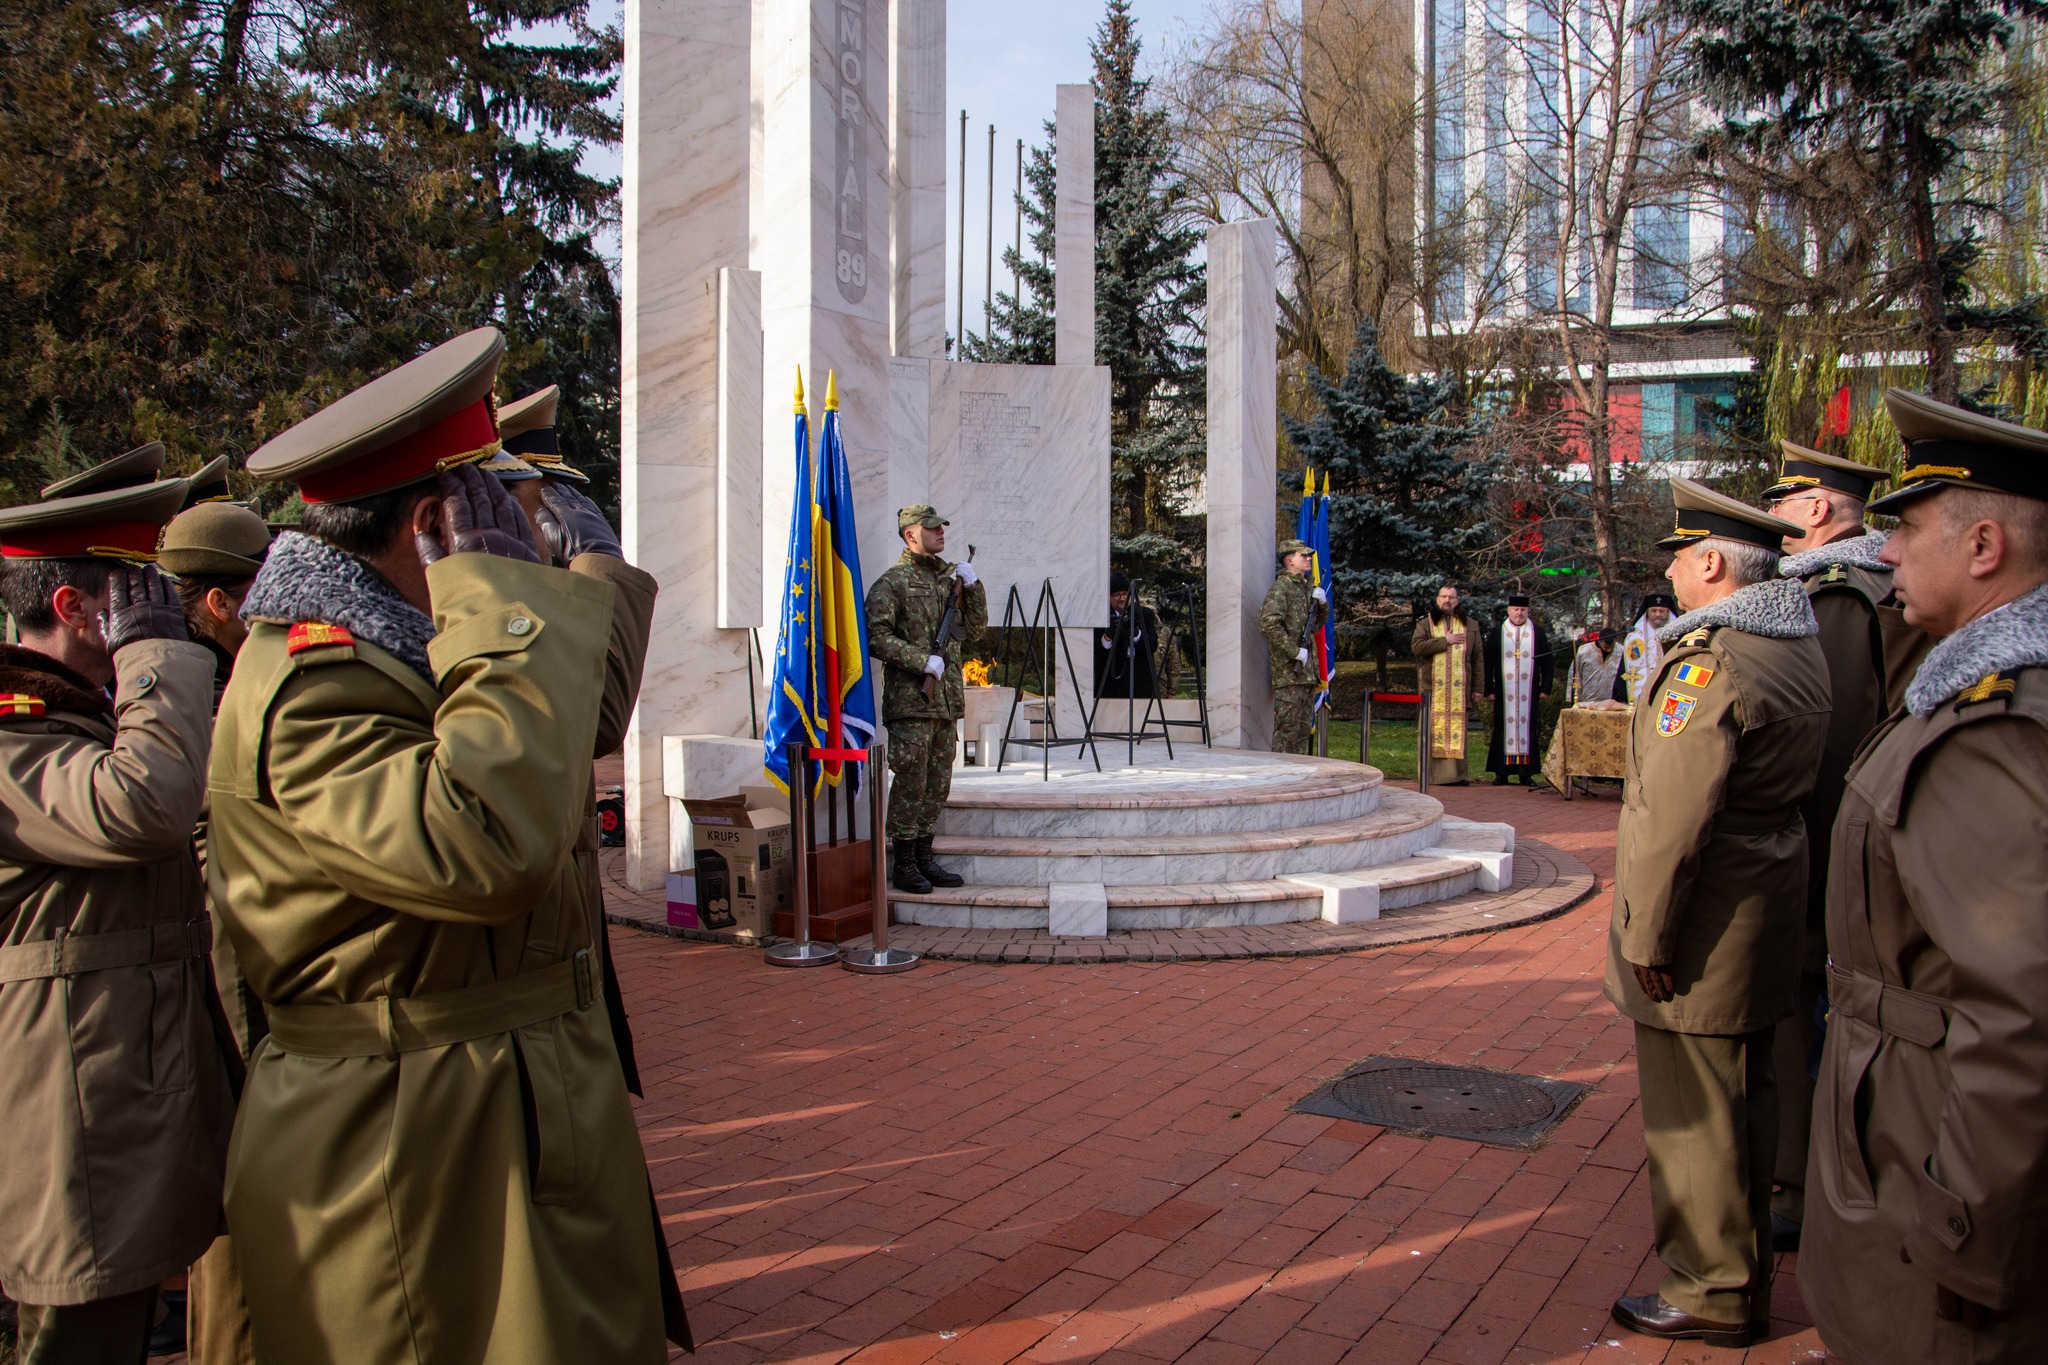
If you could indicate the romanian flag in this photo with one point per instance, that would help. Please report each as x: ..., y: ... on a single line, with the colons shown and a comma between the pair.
x: 821, y: 690
x: 1312, y: 528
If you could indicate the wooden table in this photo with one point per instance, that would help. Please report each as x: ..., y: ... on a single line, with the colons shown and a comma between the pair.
x: 1588, y: 742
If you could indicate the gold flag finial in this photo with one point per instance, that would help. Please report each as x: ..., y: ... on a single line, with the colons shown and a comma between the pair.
x: 1308, y: 483
x: 1326, y: 483
x: 800, y: 388
x: 831, y: 390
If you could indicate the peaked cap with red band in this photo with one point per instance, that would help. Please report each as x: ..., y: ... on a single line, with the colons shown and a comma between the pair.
x: 121, y: 523
x: 127, y: 470
x: 431, y: 413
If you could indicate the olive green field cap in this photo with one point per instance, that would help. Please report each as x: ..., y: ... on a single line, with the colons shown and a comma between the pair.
x: 209, y: 483
x: 1805, y: 470
x: 116, y: 523
x: 919, y: 514
x: 126, y: 470
x: 1947, y: 447
x: 214, y: 539
x: 1295, y: 547
x: 430, y: 414
x: 1702, y: 513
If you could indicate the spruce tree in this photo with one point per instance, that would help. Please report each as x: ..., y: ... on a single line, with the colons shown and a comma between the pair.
x: 1408, y: 497
x: 1889, y: 94
x: 1149, y: 293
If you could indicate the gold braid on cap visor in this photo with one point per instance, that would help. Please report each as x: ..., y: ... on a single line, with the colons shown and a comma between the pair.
x: 1934, y: 471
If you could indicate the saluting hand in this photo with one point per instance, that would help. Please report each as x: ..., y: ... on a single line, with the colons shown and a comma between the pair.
x: 573, y: 524
x: 141, y: 605
x: 477, y: 517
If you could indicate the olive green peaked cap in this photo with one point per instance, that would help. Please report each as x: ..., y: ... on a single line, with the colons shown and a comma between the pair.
x: 1805, y: 469
x: 117, y: 523
x: 209, y: 483
x: 1947, y: 447
x: 126, y: 470
x: 1702, y: 513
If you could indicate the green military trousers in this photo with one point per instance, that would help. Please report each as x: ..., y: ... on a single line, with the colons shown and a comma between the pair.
x: 1294, y: 718
x: 1710, y: 1123
x: 103, y: 1332
x: 921, y: 775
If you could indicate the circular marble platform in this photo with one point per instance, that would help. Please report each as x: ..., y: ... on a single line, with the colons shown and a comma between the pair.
x: 1207, y: 839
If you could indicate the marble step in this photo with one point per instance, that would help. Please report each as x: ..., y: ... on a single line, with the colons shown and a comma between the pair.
x: 1362, y: 894
x: 1403, y: 824
x: 1321, y: 795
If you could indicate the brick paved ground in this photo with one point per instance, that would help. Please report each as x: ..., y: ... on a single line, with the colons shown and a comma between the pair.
x: 978, y: 1162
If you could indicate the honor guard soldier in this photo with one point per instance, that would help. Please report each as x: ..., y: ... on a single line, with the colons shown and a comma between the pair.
x: 1709, y: 900
x: 1293, y: 610
x: 1836, y: 557
x: 1926, y: 1233
x: 906, y: 608
x: 577, y: 537
x: 113, y: 1080
x: 435, y: 1157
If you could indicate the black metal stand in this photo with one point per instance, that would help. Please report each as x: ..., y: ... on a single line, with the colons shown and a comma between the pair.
x: 1044, y: 617
x: 1134, y: 732
x: 1194, y: 604
x: 800, y: 952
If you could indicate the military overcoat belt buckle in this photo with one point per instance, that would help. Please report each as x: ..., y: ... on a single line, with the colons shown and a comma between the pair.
x: 1913, y: 1016
x: 391, y: 1025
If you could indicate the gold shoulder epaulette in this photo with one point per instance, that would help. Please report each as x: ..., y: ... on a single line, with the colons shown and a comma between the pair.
x: 1698, y: 637
x: 310, y: 635
x: 1835, y: 574
x: 1989, y: 686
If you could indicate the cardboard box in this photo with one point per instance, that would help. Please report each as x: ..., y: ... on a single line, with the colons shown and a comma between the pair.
x: 740, y: 850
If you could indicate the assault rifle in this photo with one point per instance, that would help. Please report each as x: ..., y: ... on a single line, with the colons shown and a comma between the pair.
x: 949, y: 631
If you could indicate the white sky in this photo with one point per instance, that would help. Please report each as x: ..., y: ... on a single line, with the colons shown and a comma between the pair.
x: 1002, y: 68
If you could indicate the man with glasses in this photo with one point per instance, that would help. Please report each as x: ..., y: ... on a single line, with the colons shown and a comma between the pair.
x: 1835, y: 556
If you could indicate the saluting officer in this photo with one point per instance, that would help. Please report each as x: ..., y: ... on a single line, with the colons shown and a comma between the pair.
x: 1836, y: 556
x: 435, y: 1156
x: 1292, y: 610
x: 114, y: 1083
x: 1926, y: 1232
x: 905, y: 608
x: 1709, y: 899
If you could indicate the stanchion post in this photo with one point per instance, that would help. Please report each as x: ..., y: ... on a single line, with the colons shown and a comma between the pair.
x: 881, y: 959
x: 801, y: 952
x: 1365, y: 727
x: 1422, y: 745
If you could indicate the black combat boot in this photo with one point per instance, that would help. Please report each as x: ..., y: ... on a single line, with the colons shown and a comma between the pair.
x: 933, y: 873
x: 905, y: 876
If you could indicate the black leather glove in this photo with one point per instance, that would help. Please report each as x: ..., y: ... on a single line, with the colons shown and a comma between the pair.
x: 477, y: 517
x: 573, y: 524
x: 141, y: 605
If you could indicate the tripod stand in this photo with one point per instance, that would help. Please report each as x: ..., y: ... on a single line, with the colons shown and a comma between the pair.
x: 1134, y: 733
x: 1045, y: 617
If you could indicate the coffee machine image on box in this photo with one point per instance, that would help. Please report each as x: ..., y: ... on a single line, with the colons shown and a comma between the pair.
x: 714, y: 890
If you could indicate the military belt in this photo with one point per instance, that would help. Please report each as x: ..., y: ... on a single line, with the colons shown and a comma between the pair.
x: 1911, y: 1015
x: 393, y: 1024
x: 69, y: 954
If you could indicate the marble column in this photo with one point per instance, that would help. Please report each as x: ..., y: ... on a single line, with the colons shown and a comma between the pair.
x: 685, y: 217
x: 917, y: 177
x: 1243, y: 322
x: 1074, y: 344
x: 739, y: 448
x: 822, y: 245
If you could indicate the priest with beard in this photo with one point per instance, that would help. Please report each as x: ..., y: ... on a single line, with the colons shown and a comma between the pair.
x: 1518, y: 674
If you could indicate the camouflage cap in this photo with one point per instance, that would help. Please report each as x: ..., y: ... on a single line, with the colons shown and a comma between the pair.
x: 1295, y: 547
x: 919, y: 514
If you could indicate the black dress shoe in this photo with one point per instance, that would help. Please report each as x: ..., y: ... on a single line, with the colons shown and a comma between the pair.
x: 1500, y: 781
x: 1784, y: 1233
x: 1650, y: 1315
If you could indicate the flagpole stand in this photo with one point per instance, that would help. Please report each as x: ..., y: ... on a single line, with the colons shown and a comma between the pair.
x: 880, y: 960
x: 800, y: 952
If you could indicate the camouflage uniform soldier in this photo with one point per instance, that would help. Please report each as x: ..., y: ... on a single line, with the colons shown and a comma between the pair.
x: 905, y: 607
x: 1291, y: 611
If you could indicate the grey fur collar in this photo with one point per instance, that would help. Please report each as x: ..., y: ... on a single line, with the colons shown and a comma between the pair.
x: 1858, y: 552
x: 304, y: 579
x: 2012, y: 636
x: 1777, y: 609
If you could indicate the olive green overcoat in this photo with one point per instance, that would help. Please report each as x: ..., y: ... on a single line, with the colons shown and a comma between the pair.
x: 113, y: 1085
x: 1929, y: 1163
x: 435, y: 1158
x: 1710, y: 858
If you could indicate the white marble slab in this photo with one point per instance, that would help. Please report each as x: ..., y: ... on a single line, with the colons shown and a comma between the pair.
x: 1074, y: 225
x: 917, y: 179
x: 1243, y: 497
x: 1077, y: 910
x: 739, y: 448
x: 1347, y: 897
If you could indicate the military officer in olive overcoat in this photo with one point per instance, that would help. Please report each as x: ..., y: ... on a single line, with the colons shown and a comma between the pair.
x: 1709, y: 902
x: 1294, y: 608
x: 1926, y: 1236
x: 1836, y: 557
x: 904, y: 610
x: 114, y: 1084
x: 435, y: 1157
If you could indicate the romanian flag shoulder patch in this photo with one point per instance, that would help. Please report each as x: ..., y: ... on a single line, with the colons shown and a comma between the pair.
x: 1692, y: 675
x: 20, y: 704
x: 318, y: 635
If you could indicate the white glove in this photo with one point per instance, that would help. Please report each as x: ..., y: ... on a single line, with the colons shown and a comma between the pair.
x: 1301, y: 657
x: 1321, y: 596
x: 935, y: 666
x: 965, y: 573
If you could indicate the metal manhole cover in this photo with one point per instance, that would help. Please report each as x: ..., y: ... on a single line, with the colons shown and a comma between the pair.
x: 1495, y: 1107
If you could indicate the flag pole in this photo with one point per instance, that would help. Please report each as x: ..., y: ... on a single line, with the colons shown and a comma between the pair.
x: 800, y: 952
x: 881, y: 959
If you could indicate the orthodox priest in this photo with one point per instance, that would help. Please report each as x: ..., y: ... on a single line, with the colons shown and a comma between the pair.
x: 1641, y: 653
x: 1518, y: 673
x: 1450, y: 668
